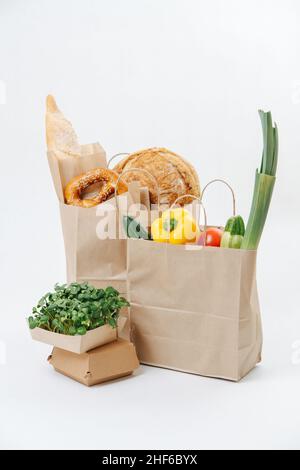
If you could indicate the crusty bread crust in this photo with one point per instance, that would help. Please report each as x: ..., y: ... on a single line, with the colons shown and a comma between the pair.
x: 174, y: 175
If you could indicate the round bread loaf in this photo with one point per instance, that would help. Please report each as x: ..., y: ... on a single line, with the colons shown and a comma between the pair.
x: 174, y: 175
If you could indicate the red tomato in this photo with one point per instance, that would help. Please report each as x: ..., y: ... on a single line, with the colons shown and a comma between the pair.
x: 213, y: 237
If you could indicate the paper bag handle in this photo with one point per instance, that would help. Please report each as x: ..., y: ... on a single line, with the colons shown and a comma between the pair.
x: 138, y: 170
x: 115, y: 156
x: 195, y: 199
x: 228, y: 186
x: 200, y: 204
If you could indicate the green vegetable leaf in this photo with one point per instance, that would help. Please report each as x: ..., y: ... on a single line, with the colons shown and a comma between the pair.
x: 77, y: 308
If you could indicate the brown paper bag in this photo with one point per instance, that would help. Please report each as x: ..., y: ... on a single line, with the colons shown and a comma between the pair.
x: 63, y: 170
x: 194, y: 309
x: 90, y: 255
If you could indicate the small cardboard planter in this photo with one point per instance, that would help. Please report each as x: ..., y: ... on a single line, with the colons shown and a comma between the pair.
x: 80, y: 344
x: 111, y: 361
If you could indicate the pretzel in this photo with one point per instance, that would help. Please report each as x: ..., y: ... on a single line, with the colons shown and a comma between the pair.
x: 79, y: 184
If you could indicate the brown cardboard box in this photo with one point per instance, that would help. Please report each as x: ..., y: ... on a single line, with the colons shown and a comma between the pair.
x: 80, y: 344
x: 108, y: 362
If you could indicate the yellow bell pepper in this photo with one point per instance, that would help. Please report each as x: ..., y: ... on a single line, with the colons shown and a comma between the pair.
x: 176, y: 226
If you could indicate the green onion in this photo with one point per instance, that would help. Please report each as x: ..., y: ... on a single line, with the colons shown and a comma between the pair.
x: 264, y: 184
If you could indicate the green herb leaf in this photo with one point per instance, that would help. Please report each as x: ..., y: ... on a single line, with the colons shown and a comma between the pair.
x: 77, y: 308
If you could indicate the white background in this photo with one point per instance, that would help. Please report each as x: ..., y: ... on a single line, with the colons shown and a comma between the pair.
x: 189, y: 75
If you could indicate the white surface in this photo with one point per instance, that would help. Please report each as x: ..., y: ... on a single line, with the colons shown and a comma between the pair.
x: 189, y: 75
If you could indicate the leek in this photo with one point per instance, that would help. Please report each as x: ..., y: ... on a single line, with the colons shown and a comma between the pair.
x: 264, y: 184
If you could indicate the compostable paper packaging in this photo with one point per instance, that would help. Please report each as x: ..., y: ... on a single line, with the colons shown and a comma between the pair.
x: 80, y: 344
x: 94, y: 253
x: 112, y: 361
x: 194, y: 309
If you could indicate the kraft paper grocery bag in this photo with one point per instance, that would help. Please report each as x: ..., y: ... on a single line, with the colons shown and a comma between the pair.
x: 63, y: 170
x: 93, y: 253
x: 194, y: 309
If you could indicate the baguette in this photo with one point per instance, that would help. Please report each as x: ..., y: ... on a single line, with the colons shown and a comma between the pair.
x: 60, y: 135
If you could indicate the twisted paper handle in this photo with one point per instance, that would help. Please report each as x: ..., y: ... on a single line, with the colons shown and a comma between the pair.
x: 228, y: 186
x: 115, y: 156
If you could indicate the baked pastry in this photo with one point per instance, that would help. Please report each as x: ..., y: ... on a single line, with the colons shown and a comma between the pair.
x: 174, y: 175
x: 61, y: 137
x: 80, y: 184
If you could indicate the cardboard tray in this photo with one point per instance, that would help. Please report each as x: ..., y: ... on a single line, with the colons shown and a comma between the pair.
x: 80, y: 344
x: 108, y: 362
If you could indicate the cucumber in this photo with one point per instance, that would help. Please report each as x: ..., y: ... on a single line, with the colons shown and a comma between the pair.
x: 134, y: 229
x: 229, y: 224
x: 234, y: 233
x: 238, y: 226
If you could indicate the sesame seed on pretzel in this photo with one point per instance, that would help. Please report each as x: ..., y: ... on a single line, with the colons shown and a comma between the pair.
x: 81, y: 183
